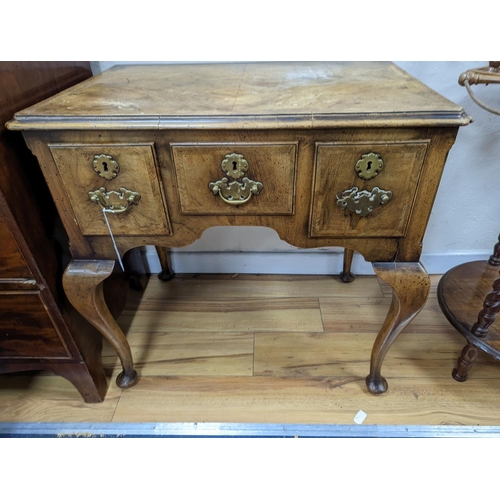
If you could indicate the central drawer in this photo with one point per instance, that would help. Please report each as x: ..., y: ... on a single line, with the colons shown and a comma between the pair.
x: 236, y: 178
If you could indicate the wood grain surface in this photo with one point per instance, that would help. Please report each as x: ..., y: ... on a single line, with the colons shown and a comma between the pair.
x: 464, y: 290
x: 272, y: 164
x: 335, y: 173
x: 187, y: 228
x: 27, y: 330
x: 12, y: 263
x: 468, y: 295
x: 138, y: 168
x: 279, y: 103
x: 266, y: 94
x: 231, y: 372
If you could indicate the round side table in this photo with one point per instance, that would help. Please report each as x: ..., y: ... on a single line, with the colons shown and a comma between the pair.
x: 461, y: 296
x: 469, y: 294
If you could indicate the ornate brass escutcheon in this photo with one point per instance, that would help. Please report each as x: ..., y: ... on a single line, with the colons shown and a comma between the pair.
x: 114, y: 201
x: 105, y: 166
x: 234, y: 165
x: 240, y: 190
x: 363, y: 202
x: 369, y: 165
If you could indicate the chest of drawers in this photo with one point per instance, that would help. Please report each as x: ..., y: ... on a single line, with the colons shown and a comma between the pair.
x: 39, y: 330
x: 326, y: 154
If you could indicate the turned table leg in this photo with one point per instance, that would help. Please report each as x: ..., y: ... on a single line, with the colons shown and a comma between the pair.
x: 465, y: 362
x: 410, y: 285
x: 346, y: 276
x: 487, y: 315
x: 83, y: 284
x: 494, y: 259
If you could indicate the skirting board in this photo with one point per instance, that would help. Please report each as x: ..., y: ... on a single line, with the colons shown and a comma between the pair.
x: 297, y: 262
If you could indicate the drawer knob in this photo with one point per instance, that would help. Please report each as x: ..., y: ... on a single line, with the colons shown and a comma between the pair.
x: 105, y: 166
x: 114, y: 201
x: 241, y: 189
x: 363, y: 202
x: 369, y: 165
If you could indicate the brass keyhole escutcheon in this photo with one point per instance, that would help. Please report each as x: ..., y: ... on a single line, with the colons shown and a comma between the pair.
x: 105, y: 166
x: 369, y: 165
x: 234, y: 165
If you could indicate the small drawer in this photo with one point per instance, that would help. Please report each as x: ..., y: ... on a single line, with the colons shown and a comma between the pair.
x: 365, y: 189
x: 26, y: 330
x: 236, y: 178
x: 121, y: 176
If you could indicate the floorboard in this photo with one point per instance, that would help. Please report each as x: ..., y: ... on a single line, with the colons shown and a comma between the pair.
x: 270, y: 349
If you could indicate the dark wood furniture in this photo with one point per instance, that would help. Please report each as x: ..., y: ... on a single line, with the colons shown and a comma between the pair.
x: 327, y: 154
x: 39, y: 330
x: 469, y: 294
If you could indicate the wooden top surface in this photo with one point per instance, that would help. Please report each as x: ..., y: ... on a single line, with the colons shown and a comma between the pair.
x: 245, y: 95
x: 461, y: 294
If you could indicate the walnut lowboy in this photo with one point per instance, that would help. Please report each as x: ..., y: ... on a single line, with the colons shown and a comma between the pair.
x: 327, y: 154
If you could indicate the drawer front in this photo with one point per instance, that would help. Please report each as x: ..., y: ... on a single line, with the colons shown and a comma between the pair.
x: 236, y: 178
x: 26, y: 330
x: 346, y: 203
x: 134, y: 193
x: 12, y: 263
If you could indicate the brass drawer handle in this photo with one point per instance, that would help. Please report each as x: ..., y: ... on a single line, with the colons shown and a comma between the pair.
x: 114, y: 201
x: 363, y: 202
x: 241, y: 189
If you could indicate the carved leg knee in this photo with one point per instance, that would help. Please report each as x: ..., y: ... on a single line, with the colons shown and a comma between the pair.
x: 83, y: 284
x: 410, y: 285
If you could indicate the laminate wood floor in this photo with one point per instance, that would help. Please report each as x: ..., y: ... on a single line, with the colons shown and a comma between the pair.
x: 270, y: 349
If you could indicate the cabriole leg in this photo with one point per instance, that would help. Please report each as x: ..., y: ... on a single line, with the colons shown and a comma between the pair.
x: 346, y: 276
x: 166, y: 268
x: 410, y: 285
x: 83, y: 284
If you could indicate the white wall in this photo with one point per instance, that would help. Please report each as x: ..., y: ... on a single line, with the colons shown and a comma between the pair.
x: 464, y: 223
